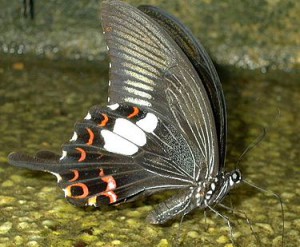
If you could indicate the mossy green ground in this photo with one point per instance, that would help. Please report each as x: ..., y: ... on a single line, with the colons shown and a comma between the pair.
x: 41, y: 101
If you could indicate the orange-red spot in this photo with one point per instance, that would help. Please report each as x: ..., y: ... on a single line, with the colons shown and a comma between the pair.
x: 92, y: 136
x: 104, y: 121
x: 82, y: 154
x: 111, y: 182
x: 134, y: 113
x: 111, y: 185
x: 84, y: 188
x: 111, y: 195
x: 76, y: 176
x: 101, y: 173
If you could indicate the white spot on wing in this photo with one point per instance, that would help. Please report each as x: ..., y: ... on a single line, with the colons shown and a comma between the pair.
x: 74, y: 137
x: 148, y: 123
x: 117, y: 144
x: 108, y: 99
x: 59, y: 178
x: 130, y: 131
x: 138, y: 85
x: 114, y: 106
x: 64, y: 154
x: 138, y: 92
x: 66, y: 192
x: 92, y: 201
x: 139, y: 76
x: 138, y: 101
x: 88, y: 116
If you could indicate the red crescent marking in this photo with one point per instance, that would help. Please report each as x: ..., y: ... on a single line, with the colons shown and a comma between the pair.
x: 82, y: 154
x: 101, y: 174
x: 92, y: 136
x: 134, y: 113
x: 104, y: 121
x: 111, y: 185
x: 83, y: 187
x: 76, y: 176
x: 111, y: 195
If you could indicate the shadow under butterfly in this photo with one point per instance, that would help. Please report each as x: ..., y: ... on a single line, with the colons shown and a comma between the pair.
x: 164, y: 128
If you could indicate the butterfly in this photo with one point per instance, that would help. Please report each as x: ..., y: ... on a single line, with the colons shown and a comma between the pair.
x: 164, y: 127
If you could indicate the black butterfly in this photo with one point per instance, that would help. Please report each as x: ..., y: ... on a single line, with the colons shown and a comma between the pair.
x: 164, y: 127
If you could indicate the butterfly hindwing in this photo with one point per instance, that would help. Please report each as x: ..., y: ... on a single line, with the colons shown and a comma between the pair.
x: 102, y: 183
x: 92, y: 171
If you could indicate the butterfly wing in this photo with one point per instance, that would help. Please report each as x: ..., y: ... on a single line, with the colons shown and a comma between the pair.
x: 115, y: 156
x: 149, y: 69
x: 105, y: 164
x: 109, y: 181
x: 203, y: 65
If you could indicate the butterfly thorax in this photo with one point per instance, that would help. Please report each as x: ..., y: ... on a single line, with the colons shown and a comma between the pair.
x: 214, y: 189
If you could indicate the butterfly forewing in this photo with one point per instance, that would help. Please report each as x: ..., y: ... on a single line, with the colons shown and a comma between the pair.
x: 148, y: 68
x: 203, y: 65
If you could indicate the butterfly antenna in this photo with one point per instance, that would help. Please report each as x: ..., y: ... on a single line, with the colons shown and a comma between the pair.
x: 279, y: 199
x: 251, y: 146
x: 258, y: 139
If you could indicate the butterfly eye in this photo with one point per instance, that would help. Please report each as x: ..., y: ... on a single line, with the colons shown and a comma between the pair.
x: 236, y: 176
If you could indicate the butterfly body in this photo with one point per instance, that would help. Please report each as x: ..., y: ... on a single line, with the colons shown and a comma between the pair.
x: 164, y: 127
x: 207, y: 193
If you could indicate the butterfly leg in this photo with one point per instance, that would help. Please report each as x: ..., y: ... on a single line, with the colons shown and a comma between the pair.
x: 242, y: 214
x: 228, y: 223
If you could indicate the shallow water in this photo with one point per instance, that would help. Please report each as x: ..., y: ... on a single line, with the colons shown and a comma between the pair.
x: 41, y: 100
